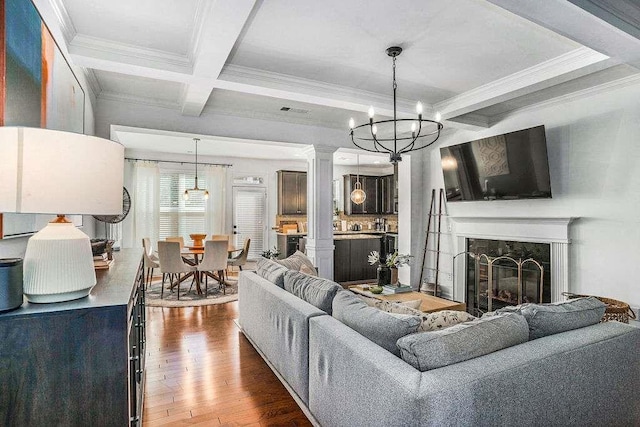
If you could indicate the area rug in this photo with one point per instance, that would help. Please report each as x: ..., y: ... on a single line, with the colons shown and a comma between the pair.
x: 188, y: 295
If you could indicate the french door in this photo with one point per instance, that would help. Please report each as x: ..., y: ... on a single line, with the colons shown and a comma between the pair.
x: 249, y: 218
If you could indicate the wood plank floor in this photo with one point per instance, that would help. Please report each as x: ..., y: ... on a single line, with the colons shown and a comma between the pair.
x: 201, y: 370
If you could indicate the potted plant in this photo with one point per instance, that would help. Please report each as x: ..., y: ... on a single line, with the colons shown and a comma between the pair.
x: 270, y: 253
x: 388, y: 269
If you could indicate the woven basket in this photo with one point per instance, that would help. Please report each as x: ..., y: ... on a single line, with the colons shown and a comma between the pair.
x: 616, y: 310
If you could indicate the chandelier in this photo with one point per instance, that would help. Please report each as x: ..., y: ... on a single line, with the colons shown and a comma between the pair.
x: 358, y: 196
x: 397, y: 136
x: 195, y: 188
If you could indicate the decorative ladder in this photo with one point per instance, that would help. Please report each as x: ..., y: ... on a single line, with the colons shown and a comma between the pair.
x: 432, y: 288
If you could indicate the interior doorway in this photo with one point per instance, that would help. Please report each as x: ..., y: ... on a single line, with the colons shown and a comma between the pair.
x: 249, y: 218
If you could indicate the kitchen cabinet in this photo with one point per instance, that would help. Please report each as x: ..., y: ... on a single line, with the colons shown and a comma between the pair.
x: 389, y: 244
x: 292, y: 193
x: 387, y: 194
x: 370, y: 187
x: 287, y: 245
x: 350, y: 262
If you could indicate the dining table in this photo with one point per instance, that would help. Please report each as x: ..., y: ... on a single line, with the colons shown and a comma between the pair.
x: 192, y: 256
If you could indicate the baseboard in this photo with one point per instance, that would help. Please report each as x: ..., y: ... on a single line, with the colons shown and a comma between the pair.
x: 305, y: 409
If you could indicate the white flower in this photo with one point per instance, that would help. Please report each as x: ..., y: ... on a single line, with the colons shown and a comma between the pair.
x: 374, y: 257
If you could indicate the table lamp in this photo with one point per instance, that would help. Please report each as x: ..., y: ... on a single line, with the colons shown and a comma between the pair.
x: 50, y: 172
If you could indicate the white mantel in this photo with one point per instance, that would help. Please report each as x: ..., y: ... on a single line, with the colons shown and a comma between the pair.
x: 551, y: 230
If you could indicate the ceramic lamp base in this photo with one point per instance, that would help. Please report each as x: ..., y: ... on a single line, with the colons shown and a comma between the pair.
x: 58, y: 264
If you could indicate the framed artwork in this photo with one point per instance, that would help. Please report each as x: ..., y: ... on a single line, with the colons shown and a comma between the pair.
x: 37, y: 88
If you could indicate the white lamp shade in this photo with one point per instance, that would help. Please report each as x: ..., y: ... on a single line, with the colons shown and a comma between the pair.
x: 47, y: 171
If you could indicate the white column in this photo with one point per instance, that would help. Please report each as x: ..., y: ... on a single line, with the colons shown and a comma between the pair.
x: 320, y: 208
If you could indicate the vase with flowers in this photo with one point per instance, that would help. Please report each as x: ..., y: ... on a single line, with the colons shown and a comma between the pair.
x: 388, y: 269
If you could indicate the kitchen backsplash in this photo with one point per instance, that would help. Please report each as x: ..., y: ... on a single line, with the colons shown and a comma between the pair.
x: 366, y: 222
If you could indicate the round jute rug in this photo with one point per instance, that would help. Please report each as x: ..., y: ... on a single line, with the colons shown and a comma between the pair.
x: 188, y: 295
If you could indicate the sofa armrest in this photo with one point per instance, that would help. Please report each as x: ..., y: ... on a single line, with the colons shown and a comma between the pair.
x: 277, y: 322
x: 354, y: 382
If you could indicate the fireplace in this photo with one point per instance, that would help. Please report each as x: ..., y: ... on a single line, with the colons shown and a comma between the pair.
x: 553, y: 255
x: 502, y: 273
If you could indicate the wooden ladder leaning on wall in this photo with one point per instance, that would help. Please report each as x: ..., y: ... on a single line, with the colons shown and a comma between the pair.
x: 434, y: 212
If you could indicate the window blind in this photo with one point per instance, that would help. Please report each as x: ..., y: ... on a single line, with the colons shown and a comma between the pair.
x: 179, y: 217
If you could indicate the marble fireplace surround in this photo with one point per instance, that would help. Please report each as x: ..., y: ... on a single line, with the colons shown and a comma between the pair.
x: 554, y: 231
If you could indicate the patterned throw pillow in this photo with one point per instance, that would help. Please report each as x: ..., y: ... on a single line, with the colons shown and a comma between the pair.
x: 429, y: 321
x: 295, y: 262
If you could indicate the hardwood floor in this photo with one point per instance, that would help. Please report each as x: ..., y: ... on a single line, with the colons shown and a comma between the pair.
x: 201, y: 370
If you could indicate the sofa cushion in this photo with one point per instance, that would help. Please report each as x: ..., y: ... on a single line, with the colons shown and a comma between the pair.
x: 428, y: 321
x: 271, y: 271
x: 431, y: 350
x: 296, y: 261
x: 314, y: 290
x: 378, y: 326
x: 549, y: 319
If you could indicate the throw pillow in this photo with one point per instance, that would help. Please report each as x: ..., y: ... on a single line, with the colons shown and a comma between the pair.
x: 382, y: 328
x: 271, y: 271
x: 414, y: 303
x: 428, y: 321
x: 549, y: 319
x: 314, y: 290
x: 311, y: 271
x: 430, y: 350
x: 295, y: 261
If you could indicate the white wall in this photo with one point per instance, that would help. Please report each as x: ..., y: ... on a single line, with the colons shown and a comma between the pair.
x: 594, y: 158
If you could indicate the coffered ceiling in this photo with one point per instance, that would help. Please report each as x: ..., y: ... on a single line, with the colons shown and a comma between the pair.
x: 474, y: 61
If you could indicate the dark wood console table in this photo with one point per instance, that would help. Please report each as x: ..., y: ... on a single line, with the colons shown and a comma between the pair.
x: 77, y: 363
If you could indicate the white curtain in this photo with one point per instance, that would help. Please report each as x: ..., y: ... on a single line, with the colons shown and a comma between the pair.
x: 146, y: 202
x: 215, y: 178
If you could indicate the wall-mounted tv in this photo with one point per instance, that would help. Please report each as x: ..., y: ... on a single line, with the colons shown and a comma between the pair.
x: 502, y: 167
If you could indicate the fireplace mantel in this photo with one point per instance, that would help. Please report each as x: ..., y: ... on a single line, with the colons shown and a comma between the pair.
x: 551, y: 230
x: 521, y: 229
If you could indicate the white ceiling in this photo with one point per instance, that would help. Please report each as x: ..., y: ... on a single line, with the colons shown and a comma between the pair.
x: 474, y: 61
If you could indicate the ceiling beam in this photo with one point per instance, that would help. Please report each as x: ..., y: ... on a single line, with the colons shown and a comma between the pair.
x: 219, y: 24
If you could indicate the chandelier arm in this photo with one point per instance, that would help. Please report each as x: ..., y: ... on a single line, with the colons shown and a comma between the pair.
x: 363, y: 148
x: 376, y: 144
x: 421, y: 148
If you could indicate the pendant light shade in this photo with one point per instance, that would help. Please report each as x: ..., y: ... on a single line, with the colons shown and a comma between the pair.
x: 185, y: 196
x: 358, y: 196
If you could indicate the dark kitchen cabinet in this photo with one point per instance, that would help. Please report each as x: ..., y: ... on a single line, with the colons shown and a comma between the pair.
x: 292, y: 193
x: 288, y: 245
x: 350, y: 259
x: 387, y: 195
x: 370, y: 187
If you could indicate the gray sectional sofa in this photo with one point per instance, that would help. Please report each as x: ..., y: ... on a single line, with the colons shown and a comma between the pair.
x: 588, y: 376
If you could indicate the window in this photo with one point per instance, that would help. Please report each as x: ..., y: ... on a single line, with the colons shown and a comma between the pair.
x: 179, y: 217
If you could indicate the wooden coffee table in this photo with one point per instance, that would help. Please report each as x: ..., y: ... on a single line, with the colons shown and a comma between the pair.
x: 429, y: 302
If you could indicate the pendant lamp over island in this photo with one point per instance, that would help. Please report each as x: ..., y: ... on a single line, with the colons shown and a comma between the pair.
x: 358, y: 196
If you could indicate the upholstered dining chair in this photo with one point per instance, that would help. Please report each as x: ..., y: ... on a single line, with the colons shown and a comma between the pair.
x: 214, y: 260
x: 240, y: 259
x: 220, y: 237
x: 172, y: 265
x: 151, y: 261
x: 176, y: 239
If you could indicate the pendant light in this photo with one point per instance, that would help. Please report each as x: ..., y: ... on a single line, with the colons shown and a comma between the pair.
x: 358, y: 196
x: 195, y: 188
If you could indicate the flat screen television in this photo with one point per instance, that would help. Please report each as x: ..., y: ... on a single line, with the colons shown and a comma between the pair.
x: 502, y: 167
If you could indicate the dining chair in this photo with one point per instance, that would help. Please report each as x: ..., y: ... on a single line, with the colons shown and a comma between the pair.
x: 220, y: 237
x: 172, y: 265
x: 214, y: 260
x: 240, y: 259
x: 176, y: 239
x: 151, y: 260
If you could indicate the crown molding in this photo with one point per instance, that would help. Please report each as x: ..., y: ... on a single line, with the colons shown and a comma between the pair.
x: 67, y: 27
x: 93, y: 81
x: 573, y: 96
x: 131, y: 99
x: 202, y: 11
x: 83, y: 45
x: 542, y: 75
x: 622, y: 14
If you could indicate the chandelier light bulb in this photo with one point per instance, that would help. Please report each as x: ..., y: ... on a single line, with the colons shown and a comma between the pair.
x: 438, y: 116
x: 374, y: 129
x: 185, y: 195
x: 419, y: 108
x: 413, y: 127
x: 371, y: 112
x: 206, y: 195
x: 352, y: 123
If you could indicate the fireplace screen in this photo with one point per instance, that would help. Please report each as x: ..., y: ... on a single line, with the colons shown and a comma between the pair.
x: 503, y: 273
